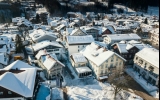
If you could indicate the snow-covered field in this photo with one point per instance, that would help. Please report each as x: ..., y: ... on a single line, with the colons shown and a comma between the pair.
x: 97, y: 91
x: 149, y: 88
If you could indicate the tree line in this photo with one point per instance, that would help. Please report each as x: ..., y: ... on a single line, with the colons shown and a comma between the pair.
x: 137, y: 5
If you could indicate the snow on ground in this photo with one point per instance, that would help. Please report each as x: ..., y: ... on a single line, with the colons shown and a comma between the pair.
x: 57, y: 94
x: 42, y: 75
x: 72, y: 70
x: 43, y: 92
x: 97, y: 91
x: 149, y: 88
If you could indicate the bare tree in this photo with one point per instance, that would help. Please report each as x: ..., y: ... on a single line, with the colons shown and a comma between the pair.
x: 118, y: 80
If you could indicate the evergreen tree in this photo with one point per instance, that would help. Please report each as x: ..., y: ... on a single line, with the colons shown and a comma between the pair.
x: 146, y: 21
x: 19, y: 45
x: 37, y: 18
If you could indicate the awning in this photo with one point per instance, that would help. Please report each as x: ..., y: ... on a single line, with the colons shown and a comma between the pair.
x: 103, y: 77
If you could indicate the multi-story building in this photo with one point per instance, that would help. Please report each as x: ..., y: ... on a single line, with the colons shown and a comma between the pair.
x: 154, y: 36
x: 146, y: 63
x: 49, y: 62
x: 102, y: 61
x: 77, y: 43
x: 113, y: 38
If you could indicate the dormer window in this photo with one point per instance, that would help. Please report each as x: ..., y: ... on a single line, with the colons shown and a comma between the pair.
x: 9, y: 92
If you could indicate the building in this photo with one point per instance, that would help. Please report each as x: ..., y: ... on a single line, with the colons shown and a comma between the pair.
x: 128, y: 49
x: 113, y: 38
x: 80, y: 65
x: 50, y: 46
x: 6, y: 44
x: 154, y: 36
x: 77, y: 43
x: 4, y: 59
x: 38, y: 35
x: 91, y: 31
x: 51, y: 65
x: 102, y: 61
x: 18, y: 81
x: 146, y: 63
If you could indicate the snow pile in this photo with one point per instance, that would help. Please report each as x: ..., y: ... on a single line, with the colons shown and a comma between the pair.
x: 43, y: 92
x: 57, y: 94
x: 149, y: 88
x: 98, y: 91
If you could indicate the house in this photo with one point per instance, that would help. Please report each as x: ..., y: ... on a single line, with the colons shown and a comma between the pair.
x: 80, y: 65
x: 4, y: 59
x: 105, y: 31
x: 102, y: 61
x: 75, y: 32
x: 38, y: 35
x: 113, y: 38
x: 75, y: 44
x: 13, y: 85
x: 128, y: 49
x: 53, y: 46
x: 49, y: 62
x: 91, y: 31
x: 145, y: 30
x: 154, y: 36
x: 146, y: 63
x: 6, y: 44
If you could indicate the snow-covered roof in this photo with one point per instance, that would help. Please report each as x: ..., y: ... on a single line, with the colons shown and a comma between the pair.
x: 80, y: 39
x: 21, y: 83
x: 40, y: 53
x: 44, y: 44
x: 48, y: 59
x: 120, y: 37
x: 98, y: 56
x: 150, y: 55
x: 39, y: 33
x: 78, y: 58
x: 58, y: 28
x: 83, y: 69
x: 19, y: 65
x: 122, y: 48
x: 49, y: 62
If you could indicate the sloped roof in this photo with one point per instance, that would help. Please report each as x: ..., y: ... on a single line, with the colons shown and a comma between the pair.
x: 19, y: 64
x: 45, y: 43
x: 102, y: 56
x: 131, y: 36
x: 78, y: 58
x: 80, y: 39
x: 21, y: 83
x: 151, y: 55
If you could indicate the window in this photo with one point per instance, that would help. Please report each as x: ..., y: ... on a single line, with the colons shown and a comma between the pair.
x: 116, y: 64
x: 136, y: 58
x: 1, y: 93
x: 117, y: 59
x: 56, y: 49
x: 120, y: 63
x: 141, y: 61
x: 112, y: 59
x: 106, y: 65
x: 9, y: 92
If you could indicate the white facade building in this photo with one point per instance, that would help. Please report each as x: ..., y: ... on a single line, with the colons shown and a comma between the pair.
x: 101, y: 60
x: 77, y: 43
x: 146, y: 63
